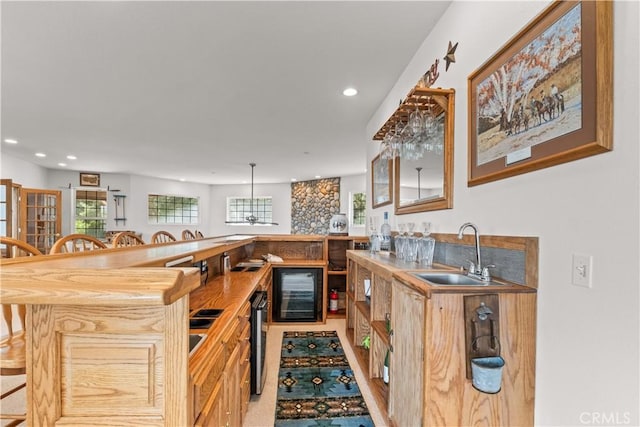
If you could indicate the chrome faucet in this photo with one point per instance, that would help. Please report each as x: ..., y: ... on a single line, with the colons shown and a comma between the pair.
x: 476, y: 270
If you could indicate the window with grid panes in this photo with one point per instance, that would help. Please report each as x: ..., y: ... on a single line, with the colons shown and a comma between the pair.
x: 165, y: 209
x: 239, y: 208
x: 359, y: 205
x: 91, y: 212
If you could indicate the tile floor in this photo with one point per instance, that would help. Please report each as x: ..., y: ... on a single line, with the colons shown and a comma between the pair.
x: 262, y: 408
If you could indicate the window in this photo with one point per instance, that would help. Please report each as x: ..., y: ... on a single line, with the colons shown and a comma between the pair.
x: 358, y: 204
x: 239, y: 208
x: 91, y: 213
x: 172, y: 209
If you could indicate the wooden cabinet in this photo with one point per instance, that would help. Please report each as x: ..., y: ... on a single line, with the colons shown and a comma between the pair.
x: 224, y: 393
x: 368, y: 307
x: 428, y: 384
x: 336, y: 248
x: 406, y: 362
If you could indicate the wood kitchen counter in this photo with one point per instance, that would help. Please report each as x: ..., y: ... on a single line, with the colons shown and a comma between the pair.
x: 428, y: 338
x: 151, y: 255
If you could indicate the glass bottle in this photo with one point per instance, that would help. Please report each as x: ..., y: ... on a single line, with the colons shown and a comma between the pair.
x: 427, y: 246
x: 385, y: 369
x: 385, y: 231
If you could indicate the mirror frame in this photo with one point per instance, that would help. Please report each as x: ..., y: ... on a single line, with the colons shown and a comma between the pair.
x: 385, y: 188
x: 445, y: 98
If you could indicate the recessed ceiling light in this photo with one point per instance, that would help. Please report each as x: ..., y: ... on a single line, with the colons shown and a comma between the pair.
x: 62, y: 164
x: 350, y: 91
x: 71, y: 157
x: 318, y: 176
x: 41, y: 155
x: 11, y: 141
x: 293, y: 180
x: 182, y: 180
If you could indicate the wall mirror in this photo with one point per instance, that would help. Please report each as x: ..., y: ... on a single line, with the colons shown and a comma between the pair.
x: 423, y: 178
x: 381, y: 182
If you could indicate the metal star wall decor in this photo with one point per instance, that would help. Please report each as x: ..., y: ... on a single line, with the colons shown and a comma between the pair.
x: 450, y: 57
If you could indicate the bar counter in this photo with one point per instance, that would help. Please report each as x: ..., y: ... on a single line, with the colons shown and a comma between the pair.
x: 108, y: 330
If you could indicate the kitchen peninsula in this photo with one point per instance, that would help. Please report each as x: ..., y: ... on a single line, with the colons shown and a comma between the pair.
x: 108, y: 331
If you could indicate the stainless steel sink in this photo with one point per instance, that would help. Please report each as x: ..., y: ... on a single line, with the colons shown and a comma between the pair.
x: 194, y: 342
x: 441, y: 278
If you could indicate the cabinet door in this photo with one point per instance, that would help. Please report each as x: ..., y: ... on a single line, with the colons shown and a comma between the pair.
x: 406, y: 370
x: 232, y: 388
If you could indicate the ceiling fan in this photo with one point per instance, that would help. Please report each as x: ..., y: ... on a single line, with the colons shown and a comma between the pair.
x: 251, y: 218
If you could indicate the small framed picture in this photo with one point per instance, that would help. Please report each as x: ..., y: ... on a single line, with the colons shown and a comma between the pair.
x: 90, y: 179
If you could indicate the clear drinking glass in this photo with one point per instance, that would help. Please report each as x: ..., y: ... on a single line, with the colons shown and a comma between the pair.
x: 399, y: 242
x: 427, y: 246
x: 411, y: 250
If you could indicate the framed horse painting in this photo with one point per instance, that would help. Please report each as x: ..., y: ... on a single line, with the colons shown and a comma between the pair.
x: 546, y: 97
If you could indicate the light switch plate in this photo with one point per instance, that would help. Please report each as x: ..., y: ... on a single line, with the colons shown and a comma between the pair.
x: 582, y: 270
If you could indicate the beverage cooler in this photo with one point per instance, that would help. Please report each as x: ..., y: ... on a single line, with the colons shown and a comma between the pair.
x: 297, y: 294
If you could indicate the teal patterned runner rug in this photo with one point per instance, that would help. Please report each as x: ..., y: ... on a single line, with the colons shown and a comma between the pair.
x: 316, y: 386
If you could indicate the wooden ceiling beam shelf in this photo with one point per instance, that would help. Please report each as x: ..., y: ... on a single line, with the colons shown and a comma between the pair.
x: 423, y: 98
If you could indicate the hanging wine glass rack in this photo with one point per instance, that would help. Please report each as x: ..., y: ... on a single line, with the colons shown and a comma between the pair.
x: 434, y: 100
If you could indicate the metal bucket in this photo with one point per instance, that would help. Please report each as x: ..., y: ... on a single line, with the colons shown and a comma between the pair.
x: 487, y: 373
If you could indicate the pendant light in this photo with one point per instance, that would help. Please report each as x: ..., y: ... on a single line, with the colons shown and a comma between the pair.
x: 251, y: 218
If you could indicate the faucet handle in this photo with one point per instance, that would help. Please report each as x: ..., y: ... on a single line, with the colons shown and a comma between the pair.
x: 472, y: 268
x: 486, y: 276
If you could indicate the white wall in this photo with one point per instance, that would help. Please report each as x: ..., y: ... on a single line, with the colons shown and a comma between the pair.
x: 137, y: 204
x: 281, y: 194
x: 24, y: 173
x: 587, y: 339
x: 136, y: 188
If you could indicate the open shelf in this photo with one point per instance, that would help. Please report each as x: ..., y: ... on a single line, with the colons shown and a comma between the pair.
x: 364, y: 308
x: 335, y: 253
x: 339, y: 315
x: 381, y: 329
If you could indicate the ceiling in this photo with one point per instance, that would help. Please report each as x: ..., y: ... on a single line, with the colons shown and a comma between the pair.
x: 196, y: 90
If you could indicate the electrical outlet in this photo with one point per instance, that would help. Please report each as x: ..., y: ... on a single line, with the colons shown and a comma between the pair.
x: 582, y: 270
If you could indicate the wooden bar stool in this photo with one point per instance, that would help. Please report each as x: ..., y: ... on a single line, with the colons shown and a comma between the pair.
x: 76, y: 243
x: 162, y: 237
x: 188, y: 235
x: 125, y: 238
x: 13, y: 356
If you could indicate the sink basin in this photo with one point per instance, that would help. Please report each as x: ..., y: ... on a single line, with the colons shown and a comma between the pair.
x: 201, y: 323
x: 450, y: 279
x: 194, y: 342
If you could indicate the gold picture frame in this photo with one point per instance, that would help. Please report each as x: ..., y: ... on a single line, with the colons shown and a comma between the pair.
x: 381, y: 184
x: 89, y: 179
x: 546, y: 97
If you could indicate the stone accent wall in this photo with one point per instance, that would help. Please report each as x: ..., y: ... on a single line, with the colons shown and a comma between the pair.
x: 313, y: 203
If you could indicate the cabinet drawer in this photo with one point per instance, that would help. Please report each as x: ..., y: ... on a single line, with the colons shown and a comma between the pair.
x: 245, y: 353
x: 206, y: 383
x: 245, y: 311
x: 231, y: 336
x: 213, y: 411
x: 245, y: 334
x: 245, y: 389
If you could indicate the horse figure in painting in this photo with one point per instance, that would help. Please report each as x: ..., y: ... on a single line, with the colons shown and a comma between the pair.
x: 538, y: 110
